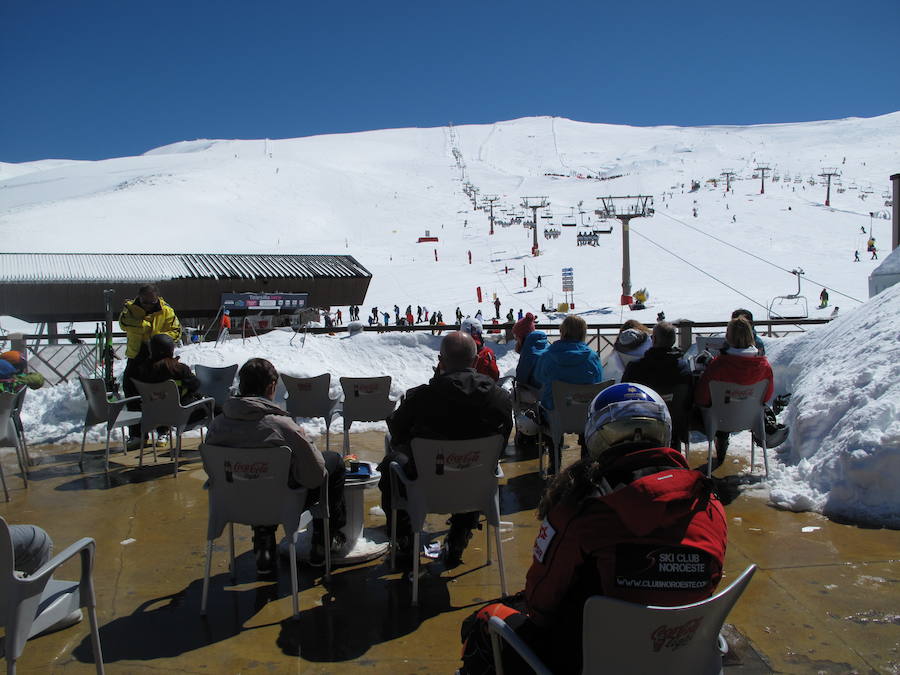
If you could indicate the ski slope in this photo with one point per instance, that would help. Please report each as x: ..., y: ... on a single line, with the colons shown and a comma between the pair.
x: 373, y: 194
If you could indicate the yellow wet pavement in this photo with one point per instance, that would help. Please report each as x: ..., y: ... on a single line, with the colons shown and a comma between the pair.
x: 826, y: 600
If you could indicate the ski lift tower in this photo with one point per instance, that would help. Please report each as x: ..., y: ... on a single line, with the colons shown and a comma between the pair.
x: 624, y: 209
x: 729, y: 176
x: 828, y: 174
x: 490, y: 199
x: 535, y: 203
x: 762, y: 175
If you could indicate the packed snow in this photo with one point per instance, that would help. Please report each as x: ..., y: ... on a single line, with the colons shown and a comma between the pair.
x: 373, y: 194
x: 842, y: 457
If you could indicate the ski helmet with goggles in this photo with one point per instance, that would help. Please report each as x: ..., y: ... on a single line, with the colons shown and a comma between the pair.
x: 627, y: 413
x: 471, y: 326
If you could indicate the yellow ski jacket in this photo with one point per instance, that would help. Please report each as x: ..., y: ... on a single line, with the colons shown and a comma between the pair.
x: 141, y: 326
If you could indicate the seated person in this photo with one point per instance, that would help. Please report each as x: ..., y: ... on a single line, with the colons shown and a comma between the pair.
x: 252, y: 420
x: 738, y: 363
x: 603, y: 518
x: 664, y: 369
x: 163, y: 365
x: 631, y: 344
x: 522, y: 328
x: 533, y: 347
x: 568, y: 359
x: 456, y: 404
x: 747, y: 314
x: 486, y: 361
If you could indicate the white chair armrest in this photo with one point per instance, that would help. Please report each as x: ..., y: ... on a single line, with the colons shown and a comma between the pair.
x: 85, y: 546
x: 500, y: 630
x: 115, y: 407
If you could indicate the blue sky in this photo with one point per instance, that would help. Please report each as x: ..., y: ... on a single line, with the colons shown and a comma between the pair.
x: 94, y: 79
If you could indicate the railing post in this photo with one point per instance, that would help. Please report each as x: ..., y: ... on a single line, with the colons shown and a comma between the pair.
x: 685, y: 334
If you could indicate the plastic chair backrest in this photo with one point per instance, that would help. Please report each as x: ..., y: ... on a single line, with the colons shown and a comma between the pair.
x: 571, y: 403
x: 624, y: 637
x: 367, y: 399
x: 250, y: 486
x: 216, y: 382
x: 737, y: 407
x: 679, y: 398
x: 160, y: 404
x: 98, y: 405
x: 8, y: 435
x: 308, y: 396
x: 709, y: 344
x: 455, y: 476
x: 7, y: 566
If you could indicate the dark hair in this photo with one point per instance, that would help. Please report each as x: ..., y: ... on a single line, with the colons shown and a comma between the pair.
x: 746, y: 313
x: 256, y: 376
x: 161, y: 346
x: 148, y: 288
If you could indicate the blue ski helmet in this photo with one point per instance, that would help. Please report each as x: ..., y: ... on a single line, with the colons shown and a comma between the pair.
x: 627, y: 413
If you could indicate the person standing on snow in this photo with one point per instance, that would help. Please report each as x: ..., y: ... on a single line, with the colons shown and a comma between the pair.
x: 458, y: 316
x: 823, y: 298
x: 497, y: 307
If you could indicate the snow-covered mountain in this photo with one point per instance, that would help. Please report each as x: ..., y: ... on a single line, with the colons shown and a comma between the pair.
x: 373, y: 194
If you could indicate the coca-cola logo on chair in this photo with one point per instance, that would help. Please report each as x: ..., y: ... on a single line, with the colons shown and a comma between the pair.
x: 673, y: 637
x: 460, y: 461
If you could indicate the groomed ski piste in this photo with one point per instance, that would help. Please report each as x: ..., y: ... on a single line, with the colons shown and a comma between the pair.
x: 372, y: 194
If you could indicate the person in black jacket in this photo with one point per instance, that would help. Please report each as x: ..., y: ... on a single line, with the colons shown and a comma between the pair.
x: 664, y: 369
x: 456, y: 404
x: 164, y: 365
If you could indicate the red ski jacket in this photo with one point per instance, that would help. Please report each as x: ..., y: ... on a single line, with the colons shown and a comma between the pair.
x: 486, y: 362
x: 658, y: 539
x: 745, y: 370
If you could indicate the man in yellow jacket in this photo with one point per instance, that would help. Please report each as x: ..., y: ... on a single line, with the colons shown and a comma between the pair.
x: 142, y: 318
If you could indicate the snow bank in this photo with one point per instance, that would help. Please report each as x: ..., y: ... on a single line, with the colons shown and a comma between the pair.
x: 843, y: 455
x: 56, y: 414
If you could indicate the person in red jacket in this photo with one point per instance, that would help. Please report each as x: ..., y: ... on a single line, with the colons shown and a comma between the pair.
x: 486, y: 361
x: 740, y: 363
x: 629, y: 521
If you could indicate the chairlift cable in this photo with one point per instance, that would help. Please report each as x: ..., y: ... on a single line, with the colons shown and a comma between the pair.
x: 699, y: 269
x: 753, y: 255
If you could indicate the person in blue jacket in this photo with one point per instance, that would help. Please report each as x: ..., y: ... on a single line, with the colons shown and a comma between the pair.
x: 533, y: 347
x: 568, y: 359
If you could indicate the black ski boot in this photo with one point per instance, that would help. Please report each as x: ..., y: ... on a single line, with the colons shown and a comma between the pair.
x: 265, y: 550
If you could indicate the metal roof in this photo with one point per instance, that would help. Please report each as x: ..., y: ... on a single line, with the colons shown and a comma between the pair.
x: 136, y: 267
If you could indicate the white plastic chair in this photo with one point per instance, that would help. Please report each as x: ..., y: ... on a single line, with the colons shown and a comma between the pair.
x: 310, y: 397
x: 249, y: 486
x: 569, y: 415
x: 524, y: 398
x: 9, y: 437
x: 709, y: 344
x: 366, y: 399
x: 161, y: 407
x: 624, y: 638
x: 467, y: 482
x: 31, y: 605
x: 736, y: 407
x: 17, y: 421
x: 101, y: 410
x: 216, y: 382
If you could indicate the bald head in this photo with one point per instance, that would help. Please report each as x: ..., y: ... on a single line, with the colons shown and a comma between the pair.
x: 458, y: 351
